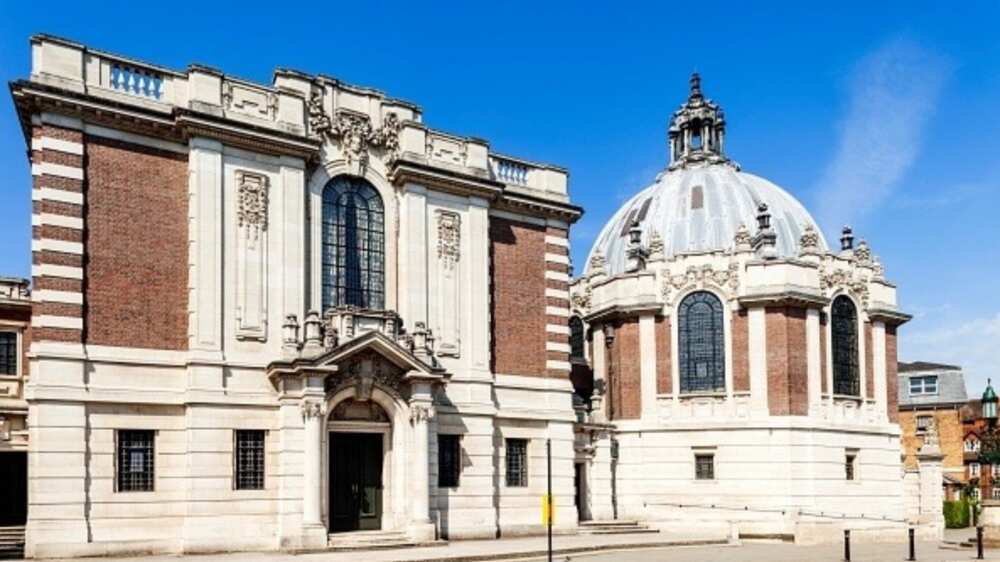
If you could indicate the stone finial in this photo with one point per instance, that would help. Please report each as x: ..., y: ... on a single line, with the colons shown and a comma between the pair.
x: 636, y: 255
x: 809, y: 241
x: 695, y: 82
x: 878, y: 267
x: 863, y: 254
x: 290, y: 336
x: 313, y: 334
x: 763, y: 217
x: 847, y: 238
x: 656, y: 250
x: 766, y: 240
x: 598, y: 265
x: 742, y: 239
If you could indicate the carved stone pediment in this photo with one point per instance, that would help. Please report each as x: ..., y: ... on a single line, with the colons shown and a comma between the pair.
x: 363, y: 372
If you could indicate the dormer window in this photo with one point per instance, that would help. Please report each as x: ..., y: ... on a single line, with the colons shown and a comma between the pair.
x: 924, y: 386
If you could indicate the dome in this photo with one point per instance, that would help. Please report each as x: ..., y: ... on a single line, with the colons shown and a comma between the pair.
x: 699, y: 209
x: 700, y: 202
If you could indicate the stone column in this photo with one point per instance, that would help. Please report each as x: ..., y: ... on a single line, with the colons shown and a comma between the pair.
x: 929, y: 459
x: 647, y: 367
x: 421, y: 527
x: 313, y: 414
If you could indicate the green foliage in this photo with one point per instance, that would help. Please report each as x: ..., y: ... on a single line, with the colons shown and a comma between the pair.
x: 956, y: 513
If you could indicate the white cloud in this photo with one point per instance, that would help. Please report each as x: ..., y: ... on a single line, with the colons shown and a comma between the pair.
x: 892, y: 92
x: 973, y: 344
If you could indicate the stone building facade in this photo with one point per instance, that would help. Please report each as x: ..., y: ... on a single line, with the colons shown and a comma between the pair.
x: 15, y: 337
x: 744, y: 371
x: 268, y: 314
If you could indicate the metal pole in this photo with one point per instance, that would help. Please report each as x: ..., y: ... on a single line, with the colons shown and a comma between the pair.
x: 548, y: 454
x: 913, y: 550
x: 979, y: 543
x: 847, y: 545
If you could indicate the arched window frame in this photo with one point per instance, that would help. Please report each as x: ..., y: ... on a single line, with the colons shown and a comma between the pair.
x: 711, y: 338
x: 845, y: 346
x: 577, y: 338
x: 352, y: 244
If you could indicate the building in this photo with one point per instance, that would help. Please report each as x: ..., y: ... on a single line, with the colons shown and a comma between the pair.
x: 745, y: 371
x: 932, y: 393
x: 15, y: 333
x: 979, y: 444
x: 265, y: 315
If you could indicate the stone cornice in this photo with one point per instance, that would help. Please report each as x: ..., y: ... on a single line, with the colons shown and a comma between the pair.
x: 784, y: 296
x: 615, y: 312
x: 889, y: 316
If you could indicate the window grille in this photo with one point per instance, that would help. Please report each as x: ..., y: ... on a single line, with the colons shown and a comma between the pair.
x: 846, y: 380
x: 517, y: 462
x: 849, y: 465
x: 576, y: 337
x: 449, y: 460
x: 136, y: 460
x: 249, y: 459
x: 704, y: 466
x: 701, y: 343
x: 353, y: 244
x: 8, y: 353
x: 923, y: 385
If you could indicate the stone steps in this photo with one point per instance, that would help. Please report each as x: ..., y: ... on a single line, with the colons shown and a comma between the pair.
x: 371, y: 540
x: 614, y: 527
x: 11, y: 542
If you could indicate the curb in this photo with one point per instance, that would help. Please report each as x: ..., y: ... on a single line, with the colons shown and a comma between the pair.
x: 528, y: 554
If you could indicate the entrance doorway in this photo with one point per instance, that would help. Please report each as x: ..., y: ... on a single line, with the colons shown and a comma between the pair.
x: 355, y: 481
x: 14, y: 489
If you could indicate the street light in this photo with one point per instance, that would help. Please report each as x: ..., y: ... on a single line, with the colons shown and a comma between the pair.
x: 989, y: 402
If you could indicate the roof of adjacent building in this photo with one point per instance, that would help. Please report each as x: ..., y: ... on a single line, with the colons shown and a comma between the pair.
x: 950, y: 384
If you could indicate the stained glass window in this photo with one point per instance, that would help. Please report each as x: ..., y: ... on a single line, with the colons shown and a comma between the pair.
x: 844, y: 325
x: 353, y: 244
x: 701, y: 343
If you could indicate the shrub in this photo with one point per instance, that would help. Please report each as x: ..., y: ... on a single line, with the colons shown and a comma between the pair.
x: 956, y: 514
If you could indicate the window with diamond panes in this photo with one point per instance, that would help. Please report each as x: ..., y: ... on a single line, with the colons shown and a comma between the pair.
x: 136, y: 460
x: 8, y: 353
x: 353, y: 244
x: 517, y: 462
x: 704, y: 466
x: 449, y: 460
x: 701, y: 343
x: 844, y: 326
x: 249, y: 459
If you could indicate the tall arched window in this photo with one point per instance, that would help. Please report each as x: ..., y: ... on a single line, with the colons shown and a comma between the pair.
x: 844, y: 332
x: 576, y: 337
x: 353, y: 244
x: 701, y: 343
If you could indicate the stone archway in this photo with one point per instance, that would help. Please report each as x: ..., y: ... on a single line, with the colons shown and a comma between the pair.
x: 359, y: 452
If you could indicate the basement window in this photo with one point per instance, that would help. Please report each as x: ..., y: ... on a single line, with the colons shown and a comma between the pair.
x: 136, y: 461
x: 249, y: 461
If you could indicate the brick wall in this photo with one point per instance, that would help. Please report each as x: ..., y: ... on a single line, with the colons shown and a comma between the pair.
x: 787, y: 378
x: 741, y: 351
x: 624, y: 376
x: 891, y: 374
x: 137, y: 243
x: 664, y: 366
x: 869, y: 362
x: 950, y: 435
x: 518, y: 304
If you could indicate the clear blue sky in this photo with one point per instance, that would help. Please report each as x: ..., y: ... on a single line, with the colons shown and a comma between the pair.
x: 881, y: 114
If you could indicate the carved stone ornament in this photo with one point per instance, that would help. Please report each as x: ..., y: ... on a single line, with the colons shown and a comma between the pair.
x: 809, y: 241
x: 863, y: 253
x: 313, y: 409
x: 449, y: 227
x: 355, y: 132
x: 697, y: 277
x: 742, y: 238
x: 365, y: 372
x: 421, y: 413
x: 252, y: 202
x: 837, y: 278
x: 655, y: 246
x: 597, y: 263
x: 581, y: 300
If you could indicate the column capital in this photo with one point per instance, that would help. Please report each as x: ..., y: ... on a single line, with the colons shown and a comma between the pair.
x: 312, y: 408
x: 421, y: 412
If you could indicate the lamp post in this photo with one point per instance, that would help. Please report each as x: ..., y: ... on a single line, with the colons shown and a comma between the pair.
x: 989, y: 402
x: 989, y: 451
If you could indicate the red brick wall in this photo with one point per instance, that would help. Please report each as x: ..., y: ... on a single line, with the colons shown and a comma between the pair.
x: 624, y: 378
x: 741, y: 351
x: 869, y: 362
x: 787, y: 377
x: 137, y: 246
x: 664, y: 366
x: 517, y: 253
x: 891, y: 373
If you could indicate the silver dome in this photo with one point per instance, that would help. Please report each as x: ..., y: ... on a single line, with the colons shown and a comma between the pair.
x: 699, y: 209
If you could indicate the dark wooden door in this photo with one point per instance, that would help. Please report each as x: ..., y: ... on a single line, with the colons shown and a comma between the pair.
x: 355, y: 482
x: 13, y: 489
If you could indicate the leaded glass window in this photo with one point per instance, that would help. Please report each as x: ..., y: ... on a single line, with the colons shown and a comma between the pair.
x: 8, y: 353
x: 517, y: 462
x: 701, y: 343
x: 353, y: 244
x: 136, y: 460
x: 576, y: 337
x: 249, y: 461
x: 449, y: 460
x: 844, y: 326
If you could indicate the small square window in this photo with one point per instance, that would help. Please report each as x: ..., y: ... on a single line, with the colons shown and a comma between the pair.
x: 851, y: 465
x: 704, y: 466
x: 517, y: 463
x: 136, y: 460
x: 449, y: 460
x: 249, y: 459
x: 924, y: 423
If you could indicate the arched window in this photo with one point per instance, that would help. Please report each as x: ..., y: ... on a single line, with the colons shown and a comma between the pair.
x: 353, y: 244
x: 701, y: 343
x: 844, y: 332
x: 576, y: 337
